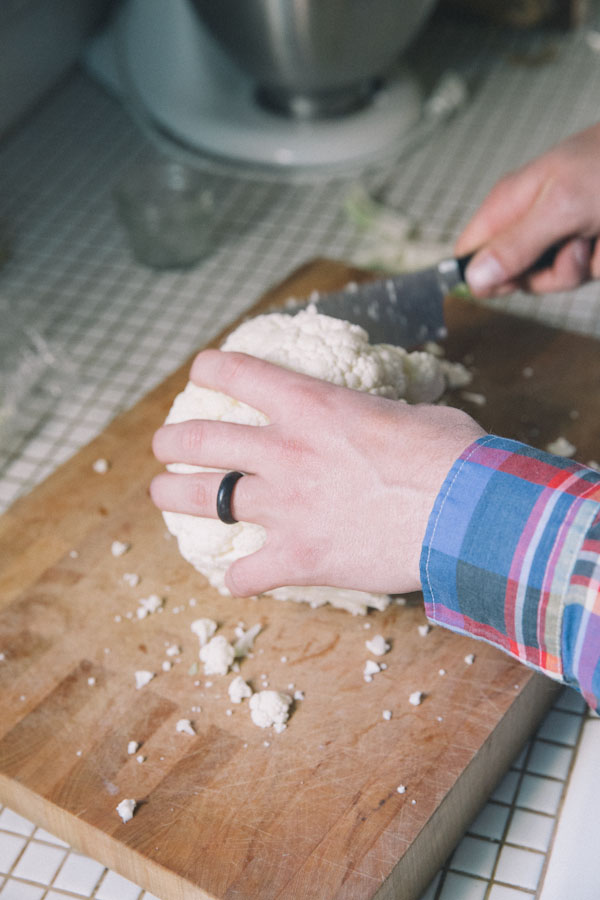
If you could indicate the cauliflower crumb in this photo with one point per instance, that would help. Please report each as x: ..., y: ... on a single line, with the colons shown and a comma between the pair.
x: 118, y: 548
x: 131, y: 578
x: 203, y: 629
x: 387, y: 714
x: 378, y: 645
x: 371, y: 668
x: 184, y: 726
x: 470, y: 659
x: 416, y: 698
x: 424, y: 630
x: 473, y: 397
x: 132, y: 747
x: 401, y: 789
x: 142, y: 677
x: 149, y: 605
x: 101, y: 466
x: 561, y: 447
x: 126, y: 809
x: 269, y: 708
x: 217, y: 656
x: 245, y: 640
x: 456, y: 374
x: 239, y: 689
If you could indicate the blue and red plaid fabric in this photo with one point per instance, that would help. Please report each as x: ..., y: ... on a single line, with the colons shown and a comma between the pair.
x: 512, y: 556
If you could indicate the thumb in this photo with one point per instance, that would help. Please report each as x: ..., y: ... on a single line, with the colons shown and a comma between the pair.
x: 505, y: 260
x: 252, y: 574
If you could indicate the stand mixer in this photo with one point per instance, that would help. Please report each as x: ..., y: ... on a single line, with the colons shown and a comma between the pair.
x: 278, y: 84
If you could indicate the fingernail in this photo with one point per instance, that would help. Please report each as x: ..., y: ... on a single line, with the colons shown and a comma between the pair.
x: 582, y: 253
x: 484, y: 273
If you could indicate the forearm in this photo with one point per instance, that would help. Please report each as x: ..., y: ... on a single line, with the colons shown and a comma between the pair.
x: 511, y: 556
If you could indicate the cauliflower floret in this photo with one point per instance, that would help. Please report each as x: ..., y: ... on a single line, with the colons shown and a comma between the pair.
x: 270, y: 708
x: 324, y: 347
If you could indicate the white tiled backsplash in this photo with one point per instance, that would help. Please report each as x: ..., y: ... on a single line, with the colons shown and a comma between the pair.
x: 110, y: 330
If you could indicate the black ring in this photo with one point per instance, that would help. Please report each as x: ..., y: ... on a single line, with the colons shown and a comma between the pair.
x: 224, y: 495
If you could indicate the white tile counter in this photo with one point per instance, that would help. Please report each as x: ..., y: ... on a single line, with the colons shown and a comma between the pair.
x: 98, y: 331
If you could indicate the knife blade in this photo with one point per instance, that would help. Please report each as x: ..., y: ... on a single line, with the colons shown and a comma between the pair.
x: 405, y: 309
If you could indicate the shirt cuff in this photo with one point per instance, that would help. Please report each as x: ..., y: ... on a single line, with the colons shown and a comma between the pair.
x: 504, y: 543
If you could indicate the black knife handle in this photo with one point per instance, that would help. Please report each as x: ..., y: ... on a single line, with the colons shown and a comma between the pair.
x: 544, y: 262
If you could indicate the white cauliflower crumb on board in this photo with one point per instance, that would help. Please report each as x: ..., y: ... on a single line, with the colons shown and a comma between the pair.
x: 473, y: 397
x: 377, y: 645
x: 101, y: 466
x: 416, y: 698
x: 126, y: 809
x: 239, y: 690
x: 317, y: 345
x: 184, y: 726
x: 245, y: 639
x: 270, y: 708
x: 203, y: 629
x: 561, y: 447
x: 217, y: 656
x: 143, y: 677
x: 132, y: 747
x: 119, y: 548
x: 149, y: 605
x: 131, y: 578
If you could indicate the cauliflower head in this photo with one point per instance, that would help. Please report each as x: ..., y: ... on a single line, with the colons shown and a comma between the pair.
x: 314, y: 344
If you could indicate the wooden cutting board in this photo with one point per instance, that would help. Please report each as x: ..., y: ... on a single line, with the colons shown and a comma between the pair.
x: 235, y: 811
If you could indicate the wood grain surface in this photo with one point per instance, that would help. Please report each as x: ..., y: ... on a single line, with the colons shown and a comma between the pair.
x: 235, y: 811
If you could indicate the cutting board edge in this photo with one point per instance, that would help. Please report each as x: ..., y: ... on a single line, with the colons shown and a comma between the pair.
x: 97, y: 844
x: 435, y: 842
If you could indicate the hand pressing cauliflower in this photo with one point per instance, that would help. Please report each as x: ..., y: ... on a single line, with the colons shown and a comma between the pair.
x: 317, y: 345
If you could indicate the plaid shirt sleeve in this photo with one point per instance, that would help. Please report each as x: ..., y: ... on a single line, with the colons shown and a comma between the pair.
x: 512, y: 556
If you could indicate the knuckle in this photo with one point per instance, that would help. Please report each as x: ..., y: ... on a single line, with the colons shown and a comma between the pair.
x: 305, y: 560
x: 230, y: 367
x: 192, y: 439
x: 198, y: 494
x: 292, y: 450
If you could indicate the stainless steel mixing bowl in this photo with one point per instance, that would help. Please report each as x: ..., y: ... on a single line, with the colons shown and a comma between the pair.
x: 315, y: 58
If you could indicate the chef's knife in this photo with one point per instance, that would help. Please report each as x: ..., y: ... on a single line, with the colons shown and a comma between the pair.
x: 405, y: 309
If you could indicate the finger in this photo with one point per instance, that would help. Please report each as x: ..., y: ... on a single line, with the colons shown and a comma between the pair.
x: 505, y: 204
x: 249, y: 379
x: 221, y: 445
x: 196, y: 495
x: 571, y: 268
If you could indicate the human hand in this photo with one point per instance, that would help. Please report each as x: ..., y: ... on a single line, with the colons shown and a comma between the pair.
x: 553, y: 200
x: 342, y: 481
